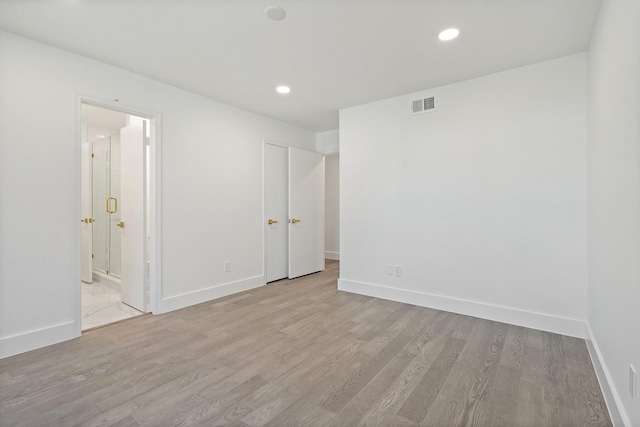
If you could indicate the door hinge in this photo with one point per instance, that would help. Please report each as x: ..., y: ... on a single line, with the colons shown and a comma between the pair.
x: 93, y: 155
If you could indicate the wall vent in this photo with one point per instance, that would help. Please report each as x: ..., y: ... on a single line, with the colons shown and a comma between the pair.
x: 424, y: 105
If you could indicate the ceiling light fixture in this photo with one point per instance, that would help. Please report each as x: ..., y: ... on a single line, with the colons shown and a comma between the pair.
x: 283, y: 90
x: 449, y: 34
x: 275, y: 13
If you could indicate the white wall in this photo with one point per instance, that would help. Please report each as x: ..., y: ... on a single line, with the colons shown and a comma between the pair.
x: 211, y: 188
x: 332, y: 206
x: 482, y: 203
x: 328, y: 142
x: 614, y: 200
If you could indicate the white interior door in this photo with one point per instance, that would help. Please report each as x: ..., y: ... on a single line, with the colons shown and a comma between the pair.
x: 276, y: 161
x: 306, y: 212
x: 86, y: 212
x: 132, y: 215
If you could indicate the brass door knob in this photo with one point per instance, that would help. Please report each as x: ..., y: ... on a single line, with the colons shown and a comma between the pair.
x: 293, y: 220
x: 272, y: 221
x: 120, y: 224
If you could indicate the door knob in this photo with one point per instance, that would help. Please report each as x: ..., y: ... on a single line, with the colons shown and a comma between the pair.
x: 120, y: 224
x: 293, y: 220
x: 271, y: 221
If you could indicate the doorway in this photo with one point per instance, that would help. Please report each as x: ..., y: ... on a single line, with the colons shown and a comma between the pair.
x: 115, y: 165
x: 295, y: 212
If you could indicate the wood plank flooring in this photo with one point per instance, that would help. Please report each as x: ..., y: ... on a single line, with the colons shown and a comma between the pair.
x: 300, y: 353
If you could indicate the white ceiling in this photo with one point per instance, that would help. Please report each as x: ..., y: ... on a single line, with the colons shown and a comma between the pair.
x: 333, y: 53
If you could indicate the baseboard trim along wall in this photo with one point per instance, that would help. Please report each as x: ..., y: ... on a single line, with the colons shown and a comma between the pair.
x: 332, y: 255
x: 618, y: 416
x: 32, y: 340
x: 529, y: 319
x: 203, y: 295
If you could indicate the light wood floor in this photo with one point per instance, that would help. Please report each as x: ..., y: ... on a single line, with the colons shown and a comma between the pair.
x: 300, y: 353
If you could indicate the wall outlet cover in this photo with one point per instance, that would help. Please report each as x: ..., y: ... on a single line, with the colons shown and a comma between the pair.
x: 397, y: 270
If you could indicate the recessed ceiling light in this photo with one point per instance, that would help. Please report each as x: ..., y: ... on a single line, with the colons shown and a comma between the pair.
x: 449, y: 34
x: 283, y: 89
x: 275, y: 13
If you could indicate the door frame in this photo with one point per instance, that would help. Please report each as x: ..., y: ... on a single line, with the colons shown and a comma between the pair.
x: 154, y: 195
x: 264, y: 205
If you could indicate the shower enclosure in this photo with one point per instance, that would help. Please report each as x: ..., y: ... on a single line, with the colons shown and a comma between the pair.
x: 106, y: 211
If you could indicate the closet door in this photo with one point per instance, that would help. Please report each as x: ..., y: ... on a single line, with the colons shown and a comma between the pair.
x: 306, y: 212
x: 276, y: 208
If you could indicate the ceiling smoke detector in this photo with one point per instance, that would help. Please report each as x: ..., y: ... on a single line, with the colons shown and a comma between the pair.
x: 275, y: 13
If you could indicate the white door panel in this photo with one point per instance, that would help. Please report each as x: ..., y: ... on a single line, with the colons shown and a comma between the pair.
x: 306, y: 212
x: 133, y: 235
x: 276, y: 195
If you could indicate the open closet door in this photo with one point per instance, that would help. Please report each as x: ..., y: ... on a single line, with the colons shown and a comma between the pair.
x: 306, y: 212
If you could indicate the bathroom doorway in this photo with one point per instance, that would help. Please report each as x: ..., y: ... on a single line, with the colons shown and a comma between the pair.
x: 115, y: 165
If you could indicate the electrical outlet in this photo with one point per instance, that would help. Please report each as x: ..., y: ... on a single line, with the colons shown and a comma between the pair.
x: 397, y: 270
x: 389, y: 270
x: 227, y: 266
x: 633, y: 383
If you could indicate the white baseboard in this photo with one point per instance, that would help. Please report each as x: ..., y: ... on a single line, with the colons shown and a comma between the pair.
x: 332, y: 255
x: 31, y: 340
x: 101, y: 277
x: 203, y: 295
x: 617, y: 413
x: 529, y: 319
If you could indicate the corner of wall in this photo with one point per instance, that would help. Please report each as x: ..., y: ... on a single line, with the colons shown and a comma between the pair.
x: 328, y: 142
x: 618, y: 416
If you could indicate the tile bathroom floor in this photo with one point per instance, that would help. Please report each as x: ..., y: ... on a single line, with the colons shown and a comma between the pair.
x: 101, y: 304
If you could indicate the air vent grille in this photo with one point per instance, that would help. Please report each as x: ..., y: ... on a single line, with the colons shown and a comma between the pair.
x: 423, y: 105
